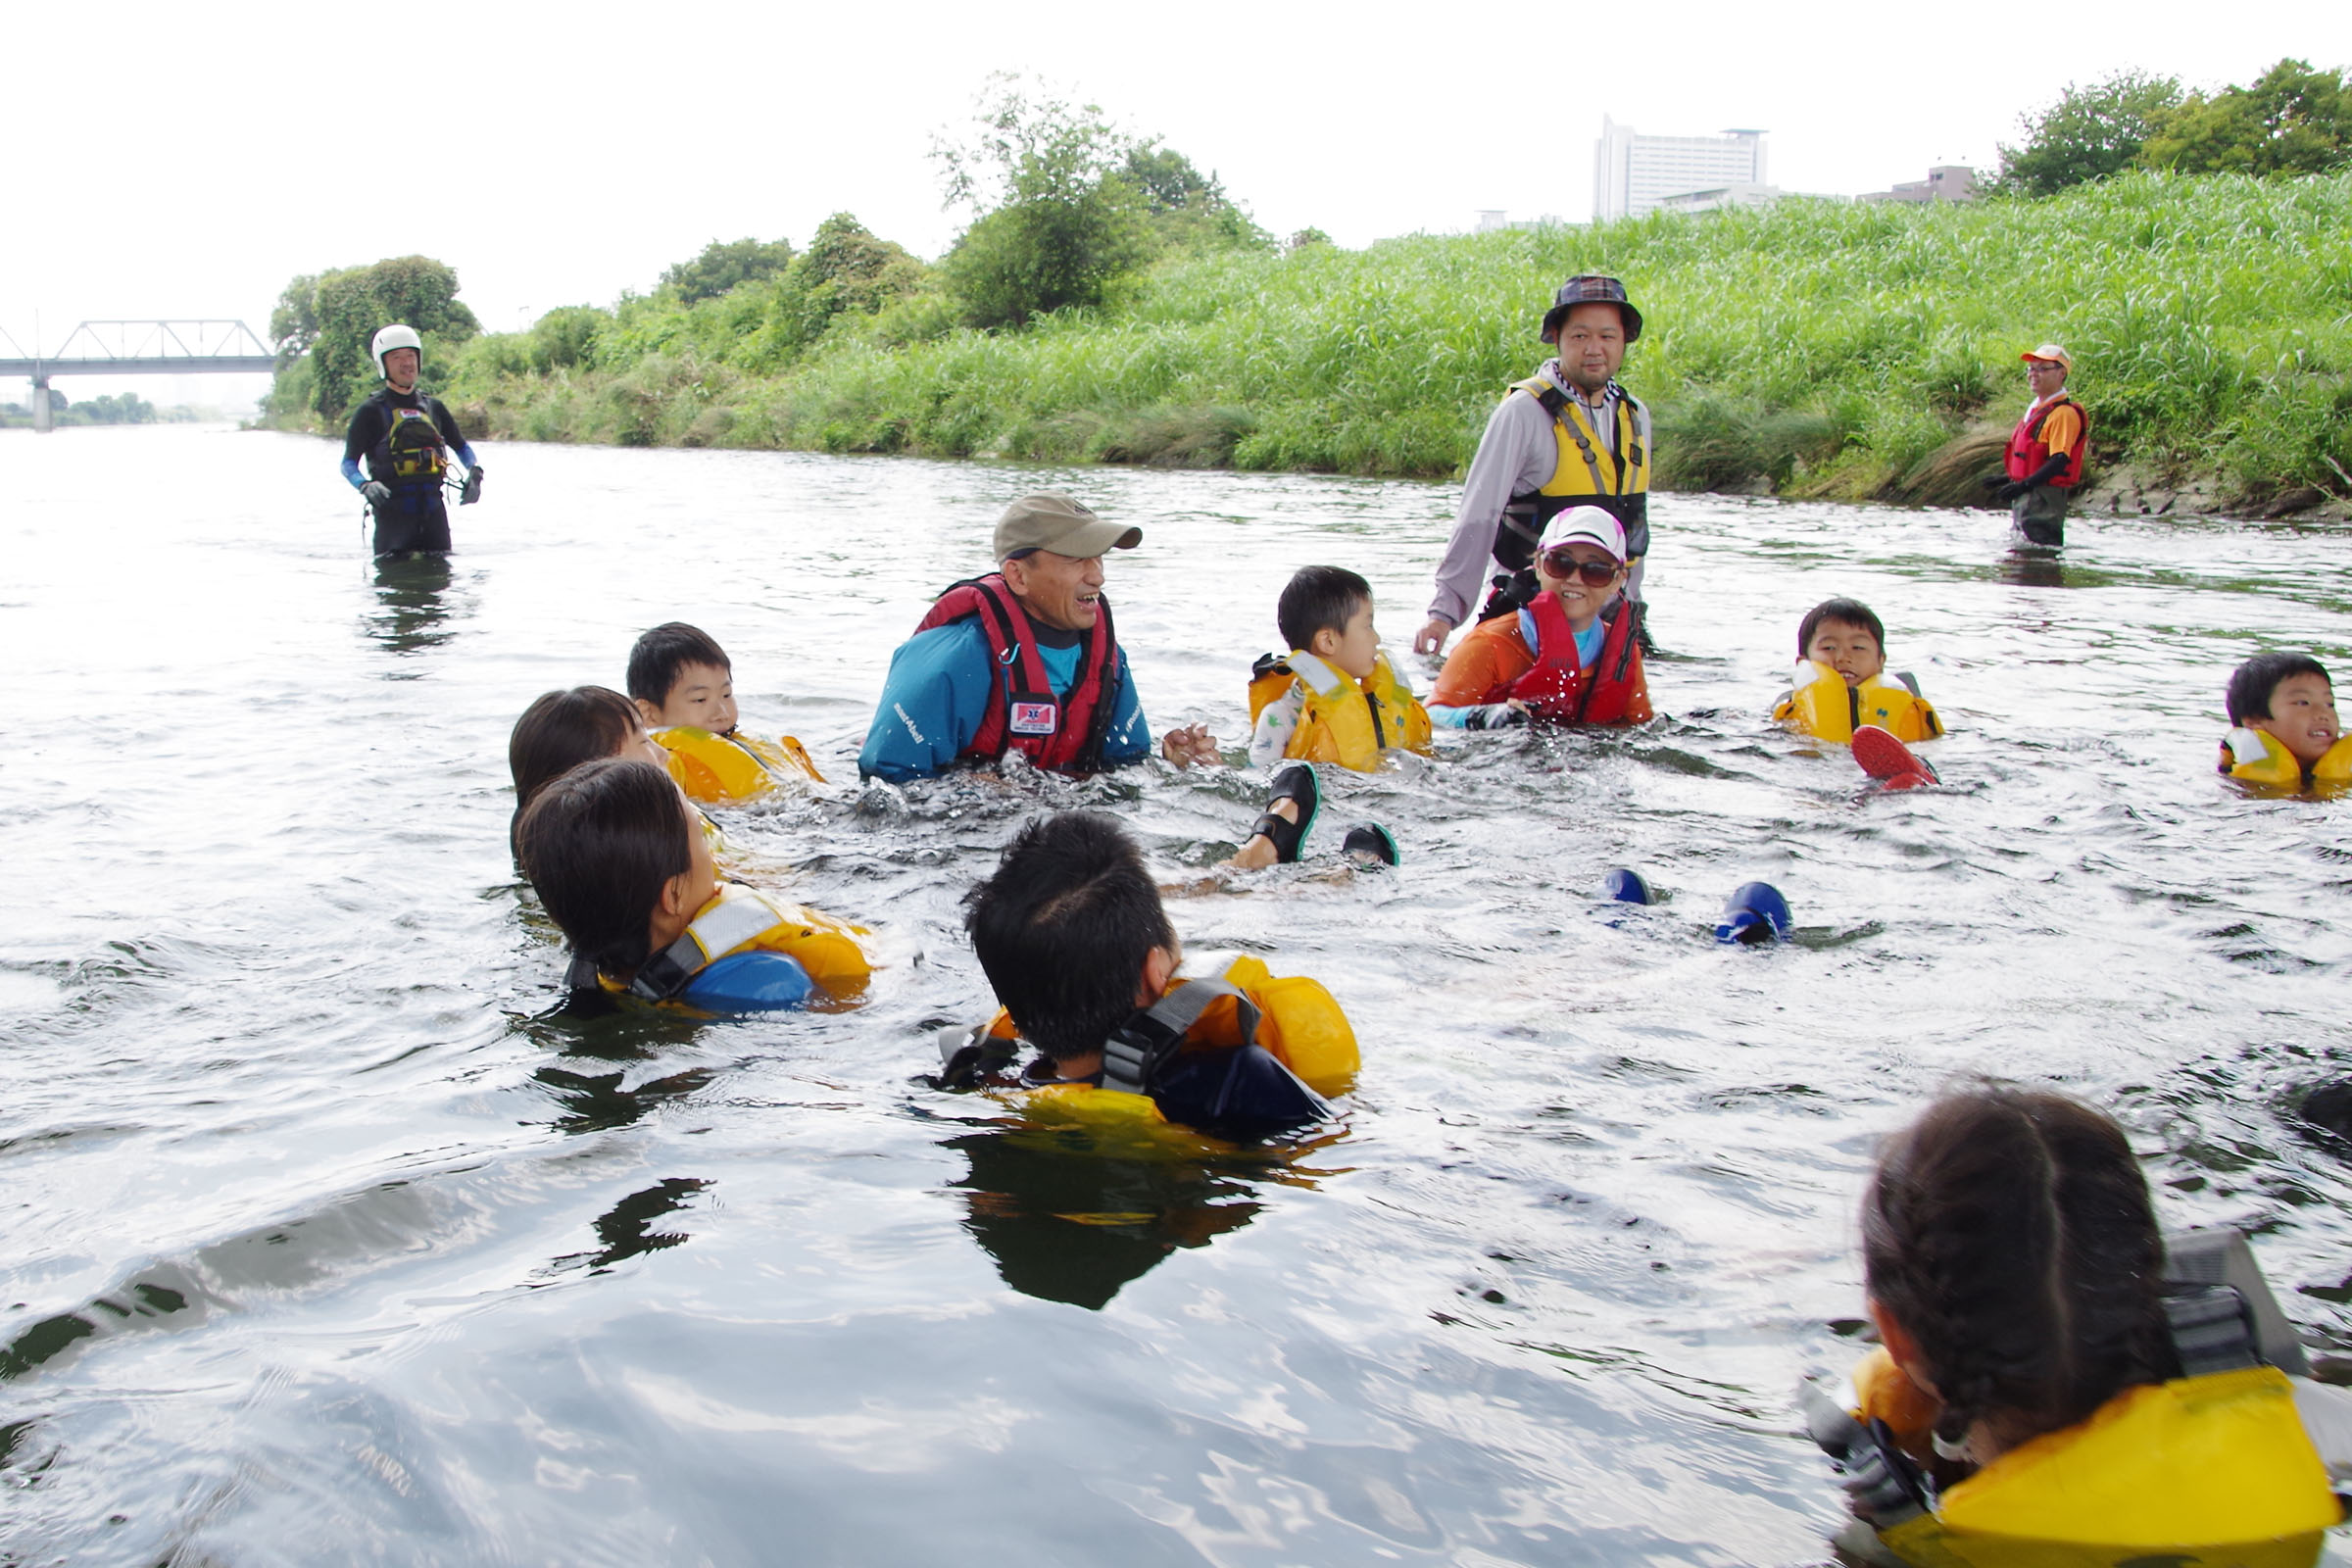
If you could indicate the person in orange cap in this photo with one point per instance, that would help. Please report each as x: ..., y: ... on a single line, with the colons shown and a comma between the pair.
x: 2044, y: 461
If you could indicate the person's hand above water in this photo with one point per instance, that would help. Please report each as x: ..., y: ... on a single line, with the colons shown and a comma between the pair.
x: 1430, y: 638
x: 1193, y: 743
x: 375, y: 493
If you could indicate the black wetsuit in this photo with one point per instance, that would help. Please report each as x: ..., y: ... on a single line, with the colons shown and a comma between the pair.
x: 416, y: 517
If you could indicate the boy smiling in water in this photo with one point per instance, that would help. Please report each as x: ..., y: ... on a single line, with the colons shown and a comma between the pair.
x: 684, y: 685
x: 1841, y: 646
x: 2284, y: 726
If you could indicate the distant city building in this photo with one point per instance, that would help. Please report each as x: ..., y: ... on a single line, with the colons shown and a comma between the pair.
x: 1492, y: 218
x: 1945, y: 182
x: 1721, y: 197
x: 1633, y: 173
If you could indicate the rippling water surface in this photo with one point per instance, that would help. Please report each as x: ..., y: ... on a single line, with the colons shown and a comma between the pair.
x: 324, y: 1242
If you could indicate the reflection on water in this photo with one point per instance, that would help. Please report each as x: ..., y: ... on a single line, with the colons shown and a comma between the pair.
x: 278, y: 1039
x: 412, y: 610
x: 2034, y: 569
x: 1067, y: 1223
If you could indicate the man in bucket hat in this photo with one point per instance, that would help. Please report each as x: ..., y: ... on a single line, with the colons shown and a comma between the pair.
x: 1022, y: 659
x: 1567, y: 436
x: 2044, y: 461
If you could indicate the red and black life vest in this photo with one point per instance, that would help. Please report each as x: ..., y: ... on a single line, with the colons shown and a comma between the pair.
x: 1559, y: 688
x: 2027, y: 452
x: 1065, y: 734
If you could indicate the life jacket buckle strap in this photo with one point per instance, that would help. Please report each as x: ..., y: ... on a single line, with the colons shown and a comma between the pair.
x: 1136, y: 1051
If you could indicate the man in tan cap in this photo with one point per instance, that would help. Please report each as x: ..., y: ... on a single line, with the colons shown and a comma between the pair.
x: 1022, y: 659
x: 2045, y: 460
x: 1567, y: 436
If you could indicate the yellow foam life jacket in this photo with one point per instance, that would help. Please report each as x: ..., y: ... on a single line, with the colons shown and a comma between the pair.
x: 2214, y: 1470
x: 1341, y: 720
x: 734, y: 767
x: 2260, y: 757
x: 1823, y: 707
x: 743, y: 919
x: 1299, y: 1024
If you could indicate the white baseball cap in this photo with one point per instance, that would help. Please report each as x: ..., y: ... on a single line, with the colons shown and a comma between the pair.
x: 1585, y: 525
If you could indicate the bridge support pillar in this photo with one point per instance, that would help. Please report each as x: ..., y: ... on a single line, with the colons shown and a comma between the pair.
x: 43, y: 421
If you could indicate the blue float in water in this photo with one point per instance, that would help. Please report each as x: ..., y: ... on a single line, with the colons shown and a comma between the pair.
x: 750, y: 982
x: 1755, y: 913
x: 1627, y: 886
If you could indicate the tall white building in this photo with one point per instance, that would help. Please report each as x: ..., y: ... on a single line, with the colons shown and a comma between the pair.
x: 1632, y: 172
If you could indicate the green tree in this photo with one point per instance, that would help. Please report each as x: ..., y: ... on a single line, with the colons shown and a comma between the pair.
x: 294, y: 324
x: 566, y: 338
x: 2089, y: 133
x: 1057, y: 221
x: 722, y: 266
x: 346, y: 308
x: 2292, y: 121
x: 1186, y: 209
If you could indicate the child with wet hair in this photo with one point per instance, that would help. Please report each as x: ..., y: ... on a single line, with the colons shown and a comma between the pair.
x: 684, y: 687
x: 1333, y: 697
x: 2016, y: 1275
x: 616, y: 854
x: 561, y: 731
x: 2284, y: 727
x: 1841, y: 681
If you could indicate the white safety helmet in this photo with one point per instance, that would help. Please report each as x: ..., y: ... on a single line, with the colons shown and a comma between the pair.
x: 396, y: 336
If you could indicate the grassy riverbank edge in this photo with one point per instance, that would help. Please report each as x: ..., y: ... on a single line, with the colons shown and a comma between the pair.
x: 1814, y: 349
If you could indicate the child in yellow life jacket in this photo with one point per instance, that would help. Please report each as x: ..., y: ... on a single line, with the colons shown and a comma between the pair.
x: 1841, y: 681
x: 1334, y: 697
x: 2283, y: 729
x: 2054, y: 1387
x: 615, y: 854
x: 684, y: 686
x: 561, y: 731
x: 1078, y: 948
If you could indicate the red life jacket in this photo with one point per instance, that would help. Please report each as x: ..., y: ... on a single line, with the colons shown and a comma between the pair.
x: 2027, y: 452
x: 1065, y: 734
x: 1559, y: 688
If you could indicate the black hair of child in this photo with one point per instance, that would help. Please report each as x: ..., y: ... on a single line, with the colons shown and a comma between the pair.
x: 2009, y: 1232
x: 2252, y: 682
x: 1845, y: 613
x: 1318, y: 599
x: 1062, y: 928
x: 559, y: 732
x: 599, y: 844
x: 661, y: 656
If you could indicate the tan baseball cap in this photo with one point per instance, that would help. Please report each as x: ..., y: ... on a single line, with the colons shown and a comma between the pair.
x: 2051, y: 351
x: 1050, y: 522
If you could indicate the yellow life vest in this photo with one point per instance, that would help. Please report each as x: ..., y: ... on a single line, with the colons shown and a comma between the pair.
x: 1341, y: 720
x: 1825, y: 708
x: 2204, y: 1472
x: 1299, y: 1024
x: 1587, y: 466
x: 2260, y: 757
x: 734, y: 767
x: 743, y: 919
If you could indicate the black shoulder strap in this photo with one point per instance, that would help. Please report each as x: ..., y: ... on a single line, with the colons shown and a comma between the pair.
x: 667, y: 973
x: 1136, y: 1051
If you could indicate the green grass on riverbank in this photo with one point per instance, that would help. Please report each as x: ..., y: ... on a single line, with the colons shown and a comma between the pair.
x: 1829, y: 349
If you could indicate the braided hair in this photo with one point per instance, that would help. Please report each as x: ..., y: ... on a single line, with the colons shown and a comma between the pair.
x: 2009, y: 1232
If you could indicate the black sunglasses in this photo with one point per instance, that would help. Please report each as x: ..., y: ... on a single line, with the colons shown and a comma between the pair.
x: 1596, y: 574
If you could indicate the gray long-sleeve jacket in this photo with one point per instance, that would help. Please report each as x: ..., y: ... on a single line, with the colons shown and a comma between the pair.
x: 1517, y: 454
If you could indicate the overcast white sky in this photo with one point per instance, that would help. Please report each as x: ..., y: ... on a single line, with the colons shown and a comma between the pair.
x: 179, y: 159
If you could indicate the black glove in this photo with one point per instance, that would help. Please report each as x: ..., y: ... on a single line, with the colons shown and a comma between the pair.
x: 1494, y: 716
x: 2013, y: 489
x: 375, y: 494
x: 1994, y: 481
x: 471, y: 490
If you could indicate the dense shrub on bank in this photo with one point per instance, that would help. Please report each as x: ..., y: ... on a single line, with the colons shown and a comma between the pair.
x: 1829, y: 348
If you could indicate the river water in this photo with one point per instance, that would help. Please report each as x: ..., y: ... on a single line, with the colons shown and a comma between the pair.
x: 325, y: 1242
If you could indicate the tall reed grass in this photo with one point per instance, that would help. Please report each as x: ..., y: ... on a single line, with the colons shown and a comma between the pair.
x: 1827, y: 348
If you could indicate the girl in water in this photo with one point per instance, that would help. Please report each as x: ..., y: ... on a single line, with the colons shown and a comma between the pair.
x: 2017, y: 1278
x: 563, y: 729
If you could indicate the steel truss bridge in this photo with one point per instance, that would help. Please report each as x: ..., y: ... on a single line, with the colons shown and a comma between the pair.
x: 180, y: 347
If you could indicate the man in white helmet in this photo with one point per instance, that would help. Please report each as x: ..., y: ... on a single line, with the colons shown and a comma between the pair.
x: 406, y: 438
